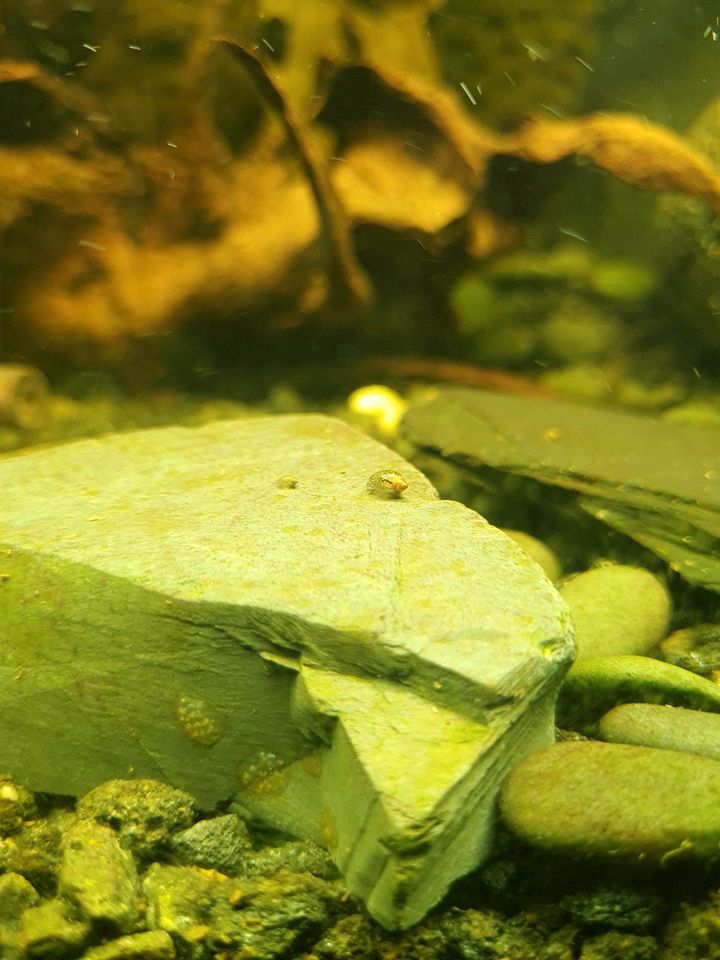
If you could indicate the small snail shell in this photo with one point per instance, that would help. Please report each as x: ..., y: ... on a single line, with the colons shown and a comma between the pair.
x: 390, y: 483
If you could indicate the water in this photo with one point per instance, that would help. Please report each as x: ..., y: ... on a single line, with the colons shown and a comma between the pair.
x: 217, y: 210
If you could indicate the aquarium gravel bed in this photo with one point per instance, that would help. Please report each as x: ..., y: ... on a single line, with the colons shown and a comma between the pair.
x: 132, y: 871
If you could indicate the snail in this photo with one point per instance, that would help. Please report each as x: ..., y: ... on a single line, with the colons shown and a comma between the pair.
x: 389, y: 483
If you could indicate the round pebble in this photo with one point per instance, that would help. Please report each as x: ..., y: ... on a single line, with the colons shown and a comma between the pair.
x: 668, y: 728
x: 540, y: 552
x: 614, y: 801
x: 596, y: 685
x: 617, y: 610
x: 694, y: 648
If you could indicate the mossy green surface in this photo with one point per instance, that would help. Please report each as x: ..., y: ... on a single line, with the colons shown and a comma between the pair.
x: 615, y: 801
x: 170, y: 612
x: 665, y: 727
x: 595, y: 685
x: 617, y: 609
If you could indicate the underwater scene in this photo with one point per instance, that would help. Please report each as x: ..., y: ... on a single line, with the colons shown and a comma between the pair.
x: 359, y: 480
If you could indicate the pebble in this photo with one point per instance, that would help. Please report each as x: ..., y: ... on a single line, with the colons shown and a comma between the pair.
x: 98, y: 876
x: 17, y: 804
x: 16, y: 895
x: 221, y: 843
x: 300, y: 856
x: 614, y: 907
x: 36, y: 851
x: 50, y: 930
x: 617, y: 609
x: 694, y: 648
x: 144, y: 813
x: 615, y: 801
x: 594, y: 686
x: 669, y: 728
x: 540, y: 552
x: 612, y: 943
x: 151, y: 945
x: 267, y: 918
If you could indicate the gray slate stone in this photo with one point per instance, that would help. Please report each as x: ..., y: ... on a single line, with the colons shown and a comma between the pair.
x: 362, y: 669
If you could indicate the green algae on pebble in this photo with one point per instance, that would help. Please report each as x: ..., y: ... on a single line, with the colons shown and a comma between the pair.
x: 144, y: 813
x: 149, y: 945
x: 694, y: 648
x: 594, y: 686
x: 17, y: 804
x: 52, y: 929
x: 667, y: 728
x: 617, y: 610
x: 615, y: 801
x: 629, y: 392
x: 537, y: 550
x: 99, y: 876
x: 219, y: 843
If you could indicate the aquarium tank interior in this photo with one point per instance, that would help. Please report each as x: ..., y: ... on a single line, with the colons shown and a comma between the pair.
x: 359, y: 480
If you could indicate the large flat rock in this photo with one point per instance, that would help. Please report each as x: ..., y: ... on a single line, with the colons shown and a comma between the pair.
x: 170, y: 607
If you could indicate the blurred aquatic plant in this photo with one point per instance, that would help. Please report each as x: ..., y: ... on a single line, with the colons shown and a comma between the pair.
x: 190, y: 183
x: 516, y: 58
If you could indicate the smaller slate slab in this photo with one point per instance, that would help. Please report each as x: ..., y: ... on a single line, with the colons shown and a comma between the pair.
x: 654, y: 481
x: 172, y: 606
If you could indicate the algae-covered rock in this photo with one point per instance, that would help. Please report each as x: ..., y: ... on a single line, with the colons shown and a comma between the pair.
x: 299, y: 856
x: 51, y: 929
x: 36, y: 851
x: 262, y: 918
x: 669, y: 728
x: 98, y: 876
x: 613, y: 943
x: 183, y: 901
x: 617, y: 609
x: 151, y: 945
x: 16, y: 805
x: 620, y: 908
x: 695, y: 648
x: 594, y: 686
x: 16, y: 896
x: 144, y: 813
x: 653, y: 481
x: 539, y: 551
x: 361, y: 669
x: 615, y: 801
x: 485, y: 933
x: 221, y: 843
